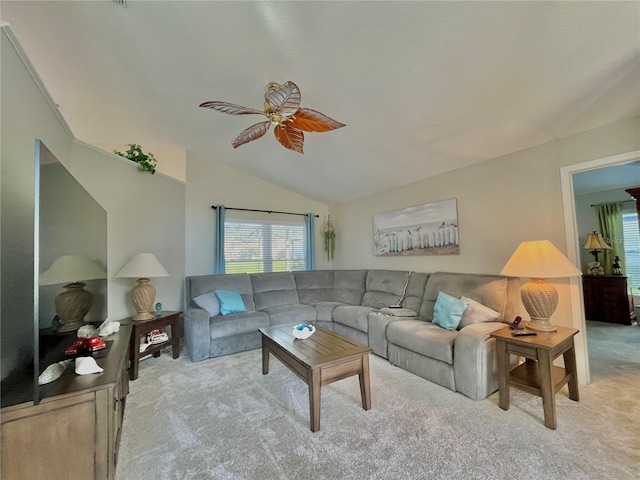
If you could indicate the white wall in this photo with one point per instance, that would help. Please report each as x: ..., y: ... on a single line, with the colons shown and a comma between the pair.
x: 501, y: 202
x: 145, y: 213
x: 211, y: 183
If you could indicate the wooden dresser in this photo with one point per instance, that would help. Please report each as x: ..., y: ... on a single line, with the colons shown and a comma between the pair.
x: 607, y: 299
x: 74, y: 432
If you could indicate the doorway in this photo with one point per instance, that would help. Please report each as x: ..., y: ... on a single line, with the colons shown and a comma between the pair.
x: 573, y: 246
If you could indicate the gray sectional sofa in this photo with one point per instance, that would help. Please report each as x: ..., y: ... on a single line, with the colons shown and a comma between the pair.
x: 355, y: 303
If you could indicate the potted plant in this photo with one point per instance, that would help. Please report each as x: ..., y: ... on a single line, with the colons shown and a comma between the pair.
x: 329, y: 239
x: 146, y: 161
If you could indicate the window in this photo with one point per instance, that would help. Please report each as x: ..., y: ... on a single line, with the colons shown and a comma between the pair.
x: 253, y: 246
x: 632, y: 249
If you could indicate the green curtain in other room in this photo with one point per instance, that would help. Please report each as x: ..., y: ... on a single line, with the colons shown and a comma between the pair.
x: 610, y: 221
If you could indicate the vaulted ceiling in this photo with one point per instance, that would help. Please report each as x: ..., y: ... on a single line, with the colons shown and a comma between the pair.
x: 424, y: 87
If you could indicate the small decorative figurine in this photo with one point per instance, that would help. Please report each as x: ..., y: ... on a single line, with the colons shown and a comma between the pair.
x: 158, y: 308
x: 616, y: 266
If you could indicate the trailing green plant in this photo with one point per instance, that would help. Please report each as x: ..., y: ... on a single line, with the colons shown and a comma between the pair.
x: 146, y: 161
x: 329, y: 234
x: 329, y: 243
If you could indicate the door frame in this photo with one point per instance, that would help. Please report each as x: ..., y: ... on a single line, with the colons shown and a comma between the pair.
x: 573, y: 247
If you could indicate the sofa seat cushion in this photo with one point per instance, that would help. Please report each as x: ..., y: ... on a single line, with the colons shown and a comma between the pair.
x: 424, y: 338
x: 293, y: 314
x: 325, y: 310
x: 354, y: 316
x: 237, y: 323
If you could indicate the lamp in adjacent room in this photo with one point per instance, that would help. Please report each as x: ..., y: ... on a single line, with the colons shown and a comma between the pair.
x: 538, y: 260
x: 595, y: 243
x: 143, y: 266
x: 72, y: 305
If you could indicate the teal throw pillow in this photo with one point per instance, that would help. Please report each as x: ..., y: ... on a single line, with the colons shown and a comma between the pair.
x: 230, y: 302
x: 448, y: 311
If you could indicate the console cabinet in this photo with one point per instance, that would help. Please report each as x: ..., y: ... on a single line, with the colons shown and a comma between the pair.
x: 607, y: 299
x: 74, y: 432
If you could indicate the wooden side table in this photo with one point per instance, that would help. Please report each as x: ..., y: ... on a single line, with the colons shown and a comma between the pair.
x: 142, y: 327
x: 537, y: 375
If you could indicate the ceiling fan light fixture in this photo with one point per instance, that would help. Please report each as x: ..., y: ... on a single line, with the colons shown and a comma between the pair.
x: 282, y: 109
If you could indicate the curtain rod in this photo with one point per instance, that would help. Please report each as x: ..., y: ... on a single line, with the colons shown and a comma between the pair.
x: 264, y: 211
x: 623, y: 201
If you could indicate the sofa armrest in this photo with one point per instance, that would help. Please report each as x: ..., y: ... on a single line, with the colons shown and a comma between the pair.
x: 474, y: 364
x: 197, y: 336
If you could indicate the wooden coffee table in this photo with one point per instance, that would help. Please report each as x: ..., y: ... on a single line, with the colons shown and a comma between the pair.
x: 325, y: 357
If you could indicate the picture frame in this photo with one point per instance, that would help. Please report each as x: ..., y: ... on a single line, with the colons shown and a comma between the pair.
x: 429, y: 229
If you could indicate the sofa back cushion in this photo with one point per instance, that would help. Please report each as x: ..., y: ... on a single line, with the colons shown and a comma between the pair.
x: 349, y: 286
x: 342, y: 286
x: 240, y: 282
x: 384, y: 288
x: 415, y: 291
x: 314, y: 286
x: 273, y: 289
x: 494, y: 291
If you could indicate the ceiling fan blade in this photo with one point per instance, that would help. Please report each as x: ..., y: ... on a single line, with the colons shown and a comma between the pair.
x: 312, y: 121
x: 289, y: 138
x: 252, y: 133
x: 284, y: 99
x: 230, y: 108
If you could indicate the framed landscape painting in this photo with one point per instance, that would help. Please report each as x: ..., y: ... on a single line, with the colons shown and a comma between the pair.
x: 429, y: 229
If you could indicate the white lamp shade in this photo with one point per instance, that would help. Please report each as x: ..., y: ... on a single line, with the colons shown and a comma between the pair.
x: 72, y: 268
x: 143, y: 265
x: 595, y: 241
x: 539, y: 259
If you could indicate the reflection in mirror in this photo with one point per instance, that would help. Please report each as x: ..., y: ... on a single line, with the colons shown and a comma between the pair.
x: 46, y: 216
x: 72, y: 287
x: 73, y: 250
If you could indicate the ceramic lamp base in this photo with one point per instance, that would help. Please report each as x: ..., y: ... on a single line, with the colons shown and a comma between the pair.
x: 72, y: 306
x: 143, y: 296
x: 540, y: 301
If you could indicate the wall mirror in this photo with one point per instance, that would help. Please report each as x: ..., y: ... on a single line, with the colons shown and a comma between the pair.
x: 67, y: 221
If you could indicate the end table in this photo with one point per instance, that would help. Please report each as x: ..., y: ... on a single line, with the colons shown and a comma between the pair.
x: 142, y: 327
x: 537, y: 375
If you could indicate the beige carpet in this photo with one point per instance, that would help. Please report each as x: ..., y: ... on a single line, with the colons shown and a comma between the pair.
x: 222, y: 419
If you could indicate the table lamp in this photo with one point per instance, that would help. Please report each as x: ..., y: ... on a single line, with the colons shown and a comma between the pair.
x: 595, y: 243
x: 143, y: 266
x: 538, y: 260
x: 73, y: 304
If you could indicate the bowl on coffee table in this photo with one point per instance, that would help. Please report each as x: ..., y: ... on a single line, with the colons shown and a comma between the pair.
x: 303, y: 330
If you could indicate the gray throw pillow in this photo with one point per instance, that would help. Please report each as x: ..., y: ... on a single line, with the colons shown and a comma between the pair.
x: 477, y: 313
x: 209, y: 301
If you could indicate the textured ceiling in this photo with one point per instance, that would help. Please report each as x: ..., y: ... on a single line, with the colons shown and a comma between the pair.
x: 424, y: 87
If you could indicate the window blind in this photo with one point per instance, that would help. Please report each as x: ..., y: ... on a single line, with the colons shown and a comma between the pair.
x: 257, y: 246
x: 632, y: 249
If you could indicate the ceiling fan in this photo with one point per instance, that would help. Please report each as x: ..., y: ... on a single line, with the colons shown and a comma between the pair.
x: 282, y: 109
